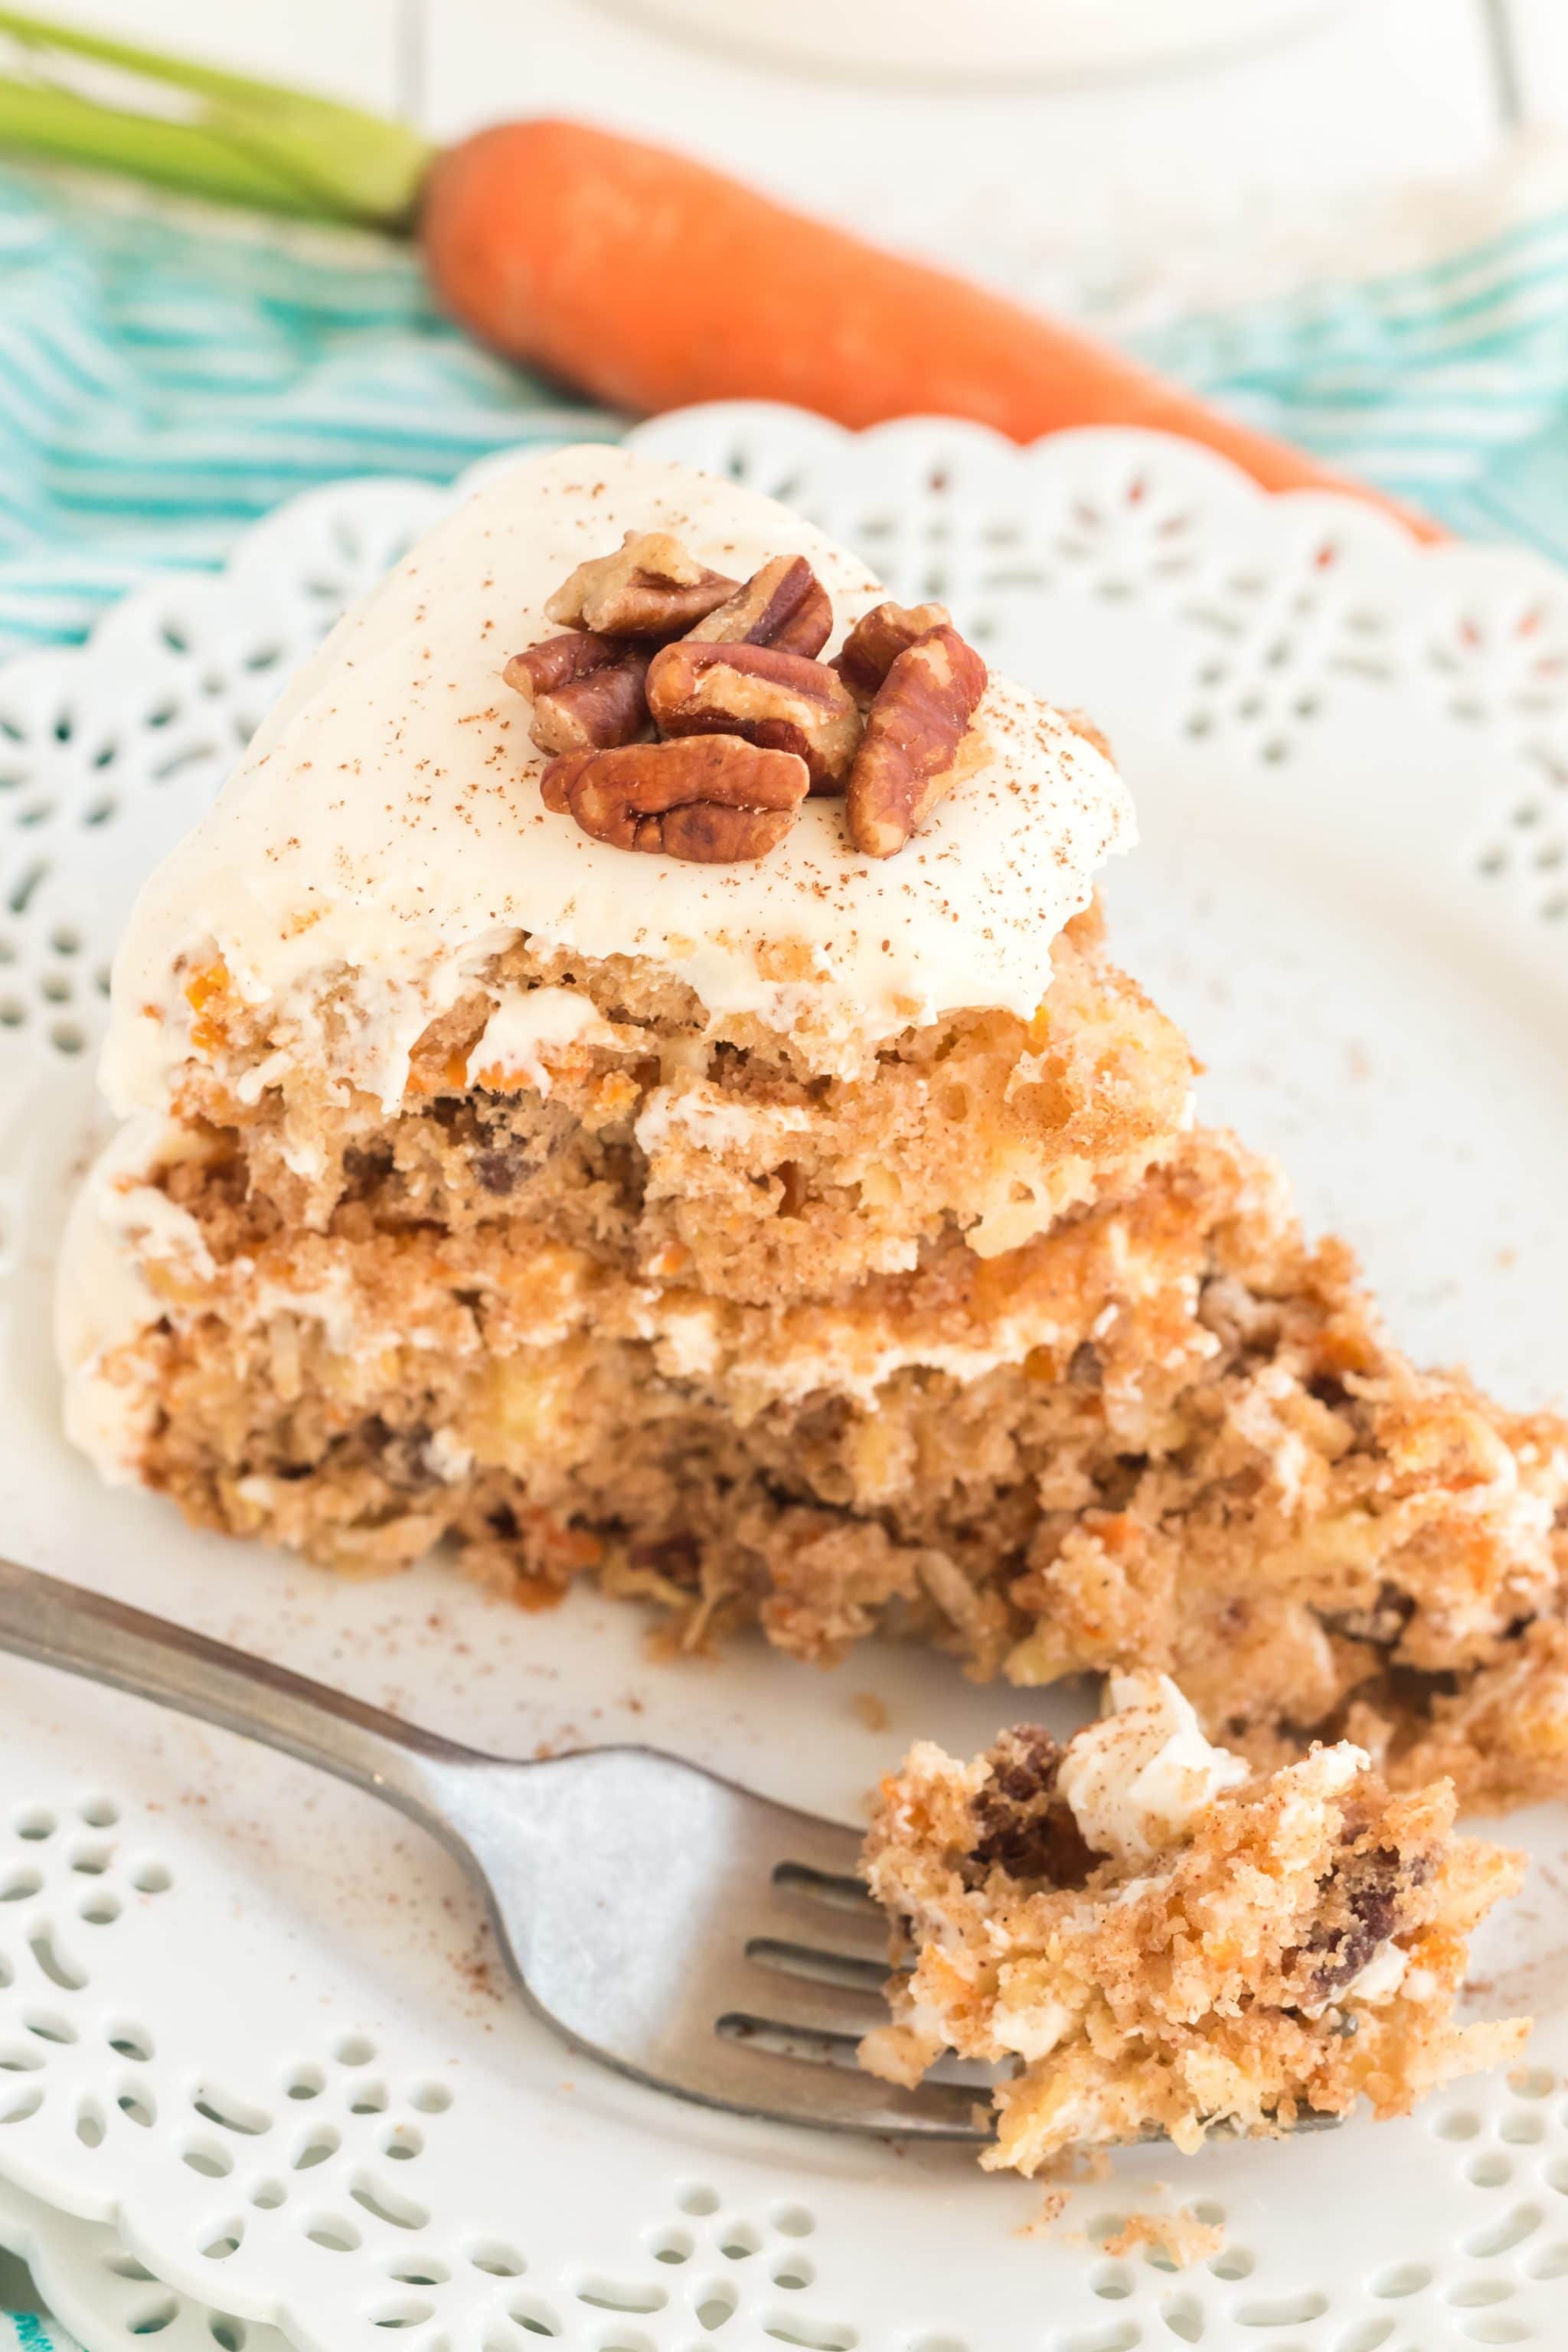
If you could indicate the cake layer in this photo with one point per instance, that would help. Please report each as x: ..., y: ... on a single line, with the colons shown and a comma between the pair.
x: 1164, y: 1434
x: 587, y: 1098
x: 383, y: 839
x: 1154, y: 1943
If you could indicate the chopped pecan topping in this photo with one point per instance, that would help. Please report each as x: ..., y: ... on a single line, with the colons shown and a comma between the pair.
x: 650, y: 587
x: 909, y: 755
x: 713, y: 798
x: 585, y: 690
x: 607, y: 708
x: 783, y: 604
x: 779, y: 700
x: 880, y: 636
x: 660, y: 646
x: 560, y: 661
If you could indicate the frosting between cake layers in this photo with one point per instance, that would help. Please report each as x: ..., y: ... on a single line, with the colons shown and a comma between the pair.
x: 385, y: 835
x: 120, y: 1223
x: 523, y: 1024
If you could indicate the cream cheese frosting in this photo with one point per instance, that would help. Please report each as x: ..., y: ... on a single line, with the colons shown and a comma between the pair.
x: 523, y: 1024
x: 1139, y: 1780
x: 385, y: 835
x: 118, y: 1222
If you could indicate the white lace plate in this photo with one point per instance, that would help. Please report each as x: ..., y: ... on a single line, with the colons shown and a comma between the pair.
x: 253, y: 2038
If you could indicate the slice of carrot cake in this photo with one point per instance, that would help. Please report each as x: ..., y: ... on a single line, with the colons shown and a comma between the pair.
x: 1157, y: 1941
x: 628, y: 1077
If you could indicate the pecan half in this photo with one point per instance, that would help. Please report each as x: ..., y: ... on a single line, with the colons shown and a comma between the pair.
x: 880, y: 636
x: 650, y: 587
x: 585, y: 689
x: 909, y: 755
x: 712, y: 799
x: 783, y: 604
x: 781, y: 701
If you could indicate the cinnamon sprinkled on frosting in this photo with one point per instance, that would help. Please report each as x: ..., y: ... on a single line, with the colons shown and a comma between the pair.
x: 384, y: 833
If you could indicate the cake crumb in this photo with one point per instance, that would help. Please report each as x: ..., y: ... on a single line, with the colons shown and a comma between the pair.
x: 1317, y: 1920
x: 1053, y: 2205
x: 868, y: 1710
x: 1181, y: 2235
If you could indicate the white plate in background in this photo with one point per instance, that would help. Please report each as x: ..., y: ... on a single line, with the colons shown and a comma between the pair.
x: 944, y: 41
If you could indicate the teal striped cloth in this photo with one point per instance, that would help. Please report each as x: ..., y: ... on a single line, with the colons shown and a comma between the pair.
x: 22, y: 2332
x: 1445, y: 385
x: 166, y: 376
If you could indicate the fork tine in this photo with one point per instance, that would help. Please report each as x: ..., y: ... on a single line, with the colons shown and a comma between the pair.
x: 801, y: 2001
x: 799, y: 1911
x: 786, y: 2088
x: 796, y: 1960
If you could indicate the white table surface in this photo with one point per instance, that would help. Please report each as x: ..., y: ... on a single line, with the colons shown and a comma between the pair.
x: 1379, y: 93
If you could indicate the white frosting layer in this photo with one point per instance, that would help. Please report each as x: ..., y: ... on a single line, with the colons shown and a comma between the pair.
x: 522, y: 1024
x: 119, y: 1221
x: 1139, y: 1780
x: 385, y: 834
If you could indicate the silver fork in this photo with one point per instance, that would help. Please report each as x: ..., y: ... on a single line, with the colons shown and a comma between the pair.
x: 697, y: 1937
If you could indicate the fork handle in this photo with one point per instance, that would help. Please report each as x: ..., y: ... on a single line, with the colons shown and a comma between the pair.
x: 59, y: 1624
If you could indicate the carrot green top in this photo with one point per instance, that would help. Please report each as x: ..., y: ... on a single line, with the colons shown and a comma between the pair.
x: 78, y: 97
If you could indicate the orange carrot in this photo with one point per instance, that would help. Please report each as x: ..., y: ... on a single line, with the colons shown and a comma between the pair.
x: 652, y: 281
x: 633, y: 273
